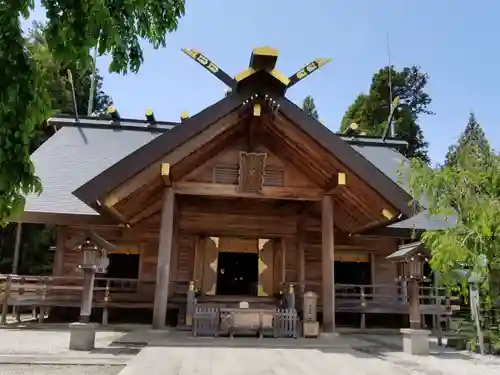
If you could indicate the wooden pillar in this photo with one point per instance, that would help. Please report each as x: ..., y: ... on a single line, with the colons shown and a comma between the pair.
x: 164, y: 252
x: 283, y: 261
x: 17, y: 248
x: 58, y: 265
x: 301, y: 261
x: 328, y: 258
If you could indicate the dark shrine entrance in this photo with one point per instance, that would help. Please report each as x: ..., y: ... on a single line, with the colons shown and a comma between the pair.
x: 237, y: 274
x: 124, y: 266
x: 348, y: 275
x: 353, y: 273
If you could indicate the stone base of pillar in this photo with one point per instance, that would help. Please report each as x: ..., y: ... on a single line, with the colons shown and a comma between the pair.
x: 416, y: 341
x: 82, y: 336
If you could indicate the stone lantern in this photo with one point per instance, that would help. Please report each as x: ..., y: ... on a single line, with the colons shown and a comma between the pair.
x: 410, y: 260
x: 94, y: 250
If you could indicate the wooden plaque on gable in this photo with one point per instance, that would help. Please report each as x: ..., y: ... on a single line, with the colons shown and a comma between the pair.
x: 251, y: 176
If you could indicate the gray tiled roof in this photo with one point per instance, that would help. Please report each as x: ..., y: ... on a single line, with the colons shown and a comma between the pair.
x: 73, y: 156
x: 395, y: 165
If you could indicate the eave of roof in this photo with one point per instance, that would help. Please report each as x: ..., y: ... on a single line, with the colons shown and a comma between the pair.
x: 120, y: 172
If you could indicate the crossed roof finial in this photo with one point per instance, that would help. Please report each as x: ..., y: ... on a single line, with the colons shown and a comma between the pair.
x: 262, y: 59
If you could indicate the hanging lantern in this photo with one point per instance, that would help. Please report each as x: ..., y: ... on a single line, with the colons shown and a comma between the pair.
x: 94, y: 250
x: 410, y: 260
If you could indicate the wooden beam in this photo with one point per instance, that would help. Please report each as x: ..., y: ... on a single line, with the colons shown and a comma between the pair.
x: 146, y: 213
x: 327, y: 264
x: 108, y: 206
x: 165, y: 174
x: 268, y: 192
x: 164, y: 254
x: 147, y: 175
x: 339, y: 179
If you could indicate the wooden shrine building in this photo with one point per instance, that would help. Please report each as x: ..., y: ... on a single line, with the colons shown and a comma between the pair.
x: 246, y: 197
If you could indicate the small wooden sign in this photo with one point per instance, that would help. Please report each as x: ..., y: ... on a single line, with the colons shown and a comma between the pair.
x: 251, y: 176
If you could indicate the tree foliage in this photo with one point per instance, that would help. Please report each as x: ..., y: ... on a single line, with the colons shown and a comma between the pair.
x: 371, y: 111
x: 469, y: 189
x: 309, y: 107
x: 73, y: 29
x: 54, y: 77
x: 473, y: 138
x: 114, y: 27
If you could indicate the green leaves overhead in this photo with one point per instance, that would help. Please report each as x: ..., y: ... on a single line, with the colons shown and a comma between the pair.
x: 73, y: 29
x: 23, y: 105
x: 115, y: 26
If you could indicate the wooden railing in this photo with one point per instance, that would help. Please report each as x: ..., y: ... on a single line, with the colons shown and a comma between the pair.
x: 383, y: 298
x: 43, y: 292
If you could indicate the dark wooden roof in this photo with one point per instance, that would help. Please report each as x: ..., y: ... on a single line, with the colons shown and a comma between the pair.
x: 126, y: 168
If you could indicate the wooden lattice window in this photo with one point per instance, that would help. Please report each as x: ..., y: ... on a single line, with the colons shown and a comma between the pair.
x: 274, y: 177
x: 226, y: 175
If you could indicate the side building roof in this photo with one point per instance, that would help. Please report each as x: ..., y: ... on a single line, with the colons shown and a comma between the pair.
x: 73, y: 156
x: 395, y: 165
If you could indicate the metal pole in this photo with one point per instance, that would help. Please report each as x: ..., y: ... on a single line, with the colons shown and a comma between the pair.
x: 17, y: 248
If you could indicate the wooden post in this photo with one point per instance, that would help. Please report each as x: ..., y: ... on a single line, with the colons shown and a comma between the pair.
x: 327, y: 261
x: 17, y: 248
x: 415, y: 322
x: 87, y: 294
x: 363, y: 307
x: 5, y: 302
x: 105, y: 312
x: 58, y: 268
x: 301, y: 261
x: 290, y: 298
x: 163, y: 268
x: 283, y: 261
x: 190, y: 305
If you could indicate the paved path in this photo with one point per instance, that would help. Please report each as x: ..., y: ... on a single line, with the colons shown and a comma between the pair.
x: 45, y: 351
x: 265, y: 361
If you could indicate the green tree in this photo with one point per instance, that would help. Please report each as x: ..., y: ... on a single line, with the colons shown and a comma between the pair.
x: 470, y: 189
x: 309, y: 107
x: 37, y: 239
x: 55, y: 81
x: 73, y: 29
x: 473, y: 138
x: 371, y: 111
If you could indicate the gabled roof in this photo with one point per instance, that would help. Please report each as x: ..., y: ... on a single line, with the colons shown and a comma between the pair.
x: 141, y: 158
x: 150, y: 153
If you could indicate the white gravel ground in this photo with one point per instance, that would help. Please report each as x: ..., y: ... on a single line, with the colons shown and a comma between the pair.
x: 58, y: 370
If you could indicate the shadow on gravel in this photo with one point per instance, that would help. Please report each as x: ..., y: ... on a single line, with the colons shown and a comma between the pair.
x: 116, y: 351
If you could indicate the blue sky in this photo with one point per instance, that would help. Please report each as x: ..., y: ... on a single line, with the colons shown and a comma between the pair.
x: 454, y: 41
